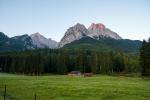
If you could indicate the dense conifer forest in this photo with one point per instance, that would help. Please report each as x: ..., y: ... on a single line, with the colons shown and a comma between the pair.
x: 145, y: 57
x: 61, y: 61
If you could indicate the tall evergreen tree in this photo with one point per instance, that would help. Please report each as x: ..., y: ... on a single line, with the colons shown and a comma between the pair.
x: 145, y: 58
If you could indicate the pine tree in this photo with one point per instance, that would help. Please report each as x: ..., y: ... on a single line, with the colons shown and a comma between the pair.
x: 145, y: 58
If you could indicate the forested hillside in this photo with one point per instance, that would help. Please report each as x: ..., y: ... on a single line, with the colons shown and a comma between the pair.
x: 105, y: 44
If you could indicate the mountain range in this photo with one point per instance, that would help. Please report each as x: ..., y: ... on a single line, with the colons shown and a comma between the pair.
x: 96, y: 36
x: 95, y: 31
x: 24, y: 42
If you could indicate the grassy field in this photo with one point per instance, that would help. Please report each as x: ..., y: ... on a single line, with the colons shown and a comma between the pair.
x: 61, y: 87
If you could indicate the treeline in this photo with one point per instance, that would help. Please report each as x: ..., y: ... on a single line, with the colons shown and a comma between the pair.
x: 60, y: 61
x: 145, y: 57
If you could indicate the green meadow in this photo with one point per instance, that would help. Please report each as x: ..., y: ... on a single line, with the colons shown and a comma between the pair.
x: 63, y: 87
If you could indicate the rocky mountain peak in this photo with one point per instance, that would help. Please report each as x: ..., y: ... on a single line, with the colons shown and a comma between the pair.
x: 41, y: 42
x: 2, y: 36
x: 37, y: 35
x: 74, y: 33
x: 99, y: 30
x: 77, y: 28
x: 97, y: 26
x: 26, y: 41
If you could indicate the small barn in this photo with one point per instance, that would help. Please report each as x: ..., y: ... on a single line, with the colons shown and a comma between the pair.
x: 75, y: 73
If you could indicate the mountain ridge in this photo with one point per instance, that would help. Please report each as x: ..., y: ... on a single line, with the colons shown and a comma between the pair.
x: 42, y: 42
x: 95, y: 31
x: 21, y: 42
x: 98, y: 33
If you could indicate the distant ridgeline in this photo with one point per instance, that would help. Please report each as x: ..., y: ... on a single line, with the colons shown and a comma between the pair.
x: 25, y: 42
x: 95, y: 37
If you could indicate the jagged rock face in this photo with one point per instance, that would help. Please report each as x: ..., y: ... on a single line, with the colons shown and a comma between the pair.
x: 74, y: 33
x: 95, y: 31
x: 27, y: 41
x: 24, y: 42
x: 3, y: 36
x: 42, y: 42
x: 16, y: 43
x: 99, y: 30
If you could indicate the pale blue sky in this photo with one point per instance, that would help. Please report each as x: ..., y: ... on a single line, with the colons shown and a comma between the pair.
x: 129, y: 18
